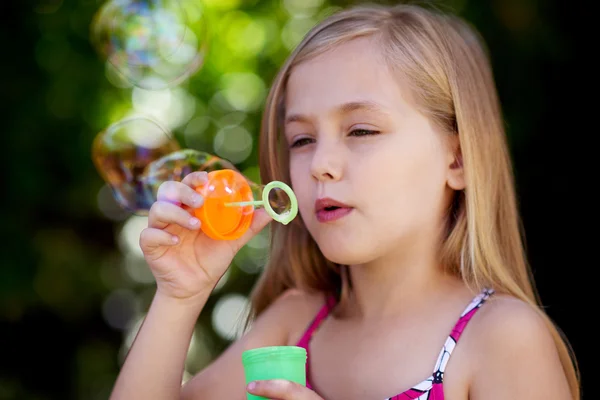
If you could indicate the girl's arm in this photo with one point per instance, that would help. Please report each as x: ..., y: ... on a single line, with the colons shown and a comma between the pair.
x: 153, y: 368
x: 281, y: 324
x: 154, y: 365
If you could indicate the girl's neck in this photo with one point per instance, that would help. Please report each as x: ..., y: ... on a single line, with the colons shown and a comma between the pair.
x: 396, y: 285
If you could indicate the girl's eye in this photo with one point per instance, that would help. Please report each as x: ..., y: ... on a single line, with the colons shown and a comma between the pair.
x: 356, y: 132
x: 363, y: 132
x: 301, y: 142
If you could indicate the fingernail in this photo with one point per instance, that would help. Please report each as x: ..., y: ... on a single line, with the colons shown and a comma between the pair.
x: 196, y: 199
x: 251, y: 386
x: 203, y: 175
x: 194, y: 221
x: 175, y: 239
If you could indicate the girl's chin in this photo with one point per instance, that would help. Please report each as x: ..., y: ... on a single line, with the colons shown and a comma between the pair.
x: 339, y: 254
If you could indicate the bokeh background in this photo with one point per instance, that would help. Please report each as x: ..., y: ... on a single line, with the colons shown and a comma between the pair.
x: 73, y: 284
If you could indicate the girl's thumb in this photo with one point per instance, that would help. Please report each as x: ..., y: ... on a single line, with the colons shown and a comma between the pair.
x: 260, y: 219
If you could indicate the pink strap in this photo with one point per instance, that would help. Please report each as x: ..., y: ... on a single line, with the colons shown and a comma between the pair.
x: 305, y: 339
x: 323, y: 312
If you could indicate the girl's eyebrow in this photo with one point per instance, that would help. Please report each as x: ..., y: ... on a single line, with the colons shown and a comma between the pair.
x: 342, y: 109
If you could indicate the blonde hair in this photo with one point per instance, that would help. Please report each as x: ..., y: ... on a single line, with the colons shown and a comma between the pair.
x: 447, y: 65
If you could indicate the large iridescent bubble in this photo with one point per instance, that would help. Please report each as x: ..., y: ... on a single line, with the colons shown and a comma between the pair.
x: 149, y: 43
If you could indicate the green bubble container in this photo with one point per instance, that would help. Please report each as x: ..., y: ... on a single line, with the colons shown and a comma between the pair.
x: 274, y: 362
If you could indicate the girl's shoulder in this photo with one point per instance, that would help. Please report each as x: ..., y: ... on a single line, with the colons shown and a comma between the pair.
x: 507, y: 321
x: 295, y: 309
x: 283, y: 319
x: 509, y: 340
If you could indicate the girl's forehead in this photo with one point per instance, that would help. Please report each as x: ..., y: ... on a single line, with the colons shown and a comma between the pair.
x: 351, y: 58
x: 352, y: 72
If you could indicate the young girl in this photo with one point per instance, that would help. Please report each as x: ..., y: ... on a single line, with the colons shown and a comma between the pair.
x: 404, y: 274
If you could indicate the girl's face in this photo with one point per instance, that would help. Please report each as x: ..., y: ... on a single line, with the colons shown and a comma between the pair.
x: 354, y: 136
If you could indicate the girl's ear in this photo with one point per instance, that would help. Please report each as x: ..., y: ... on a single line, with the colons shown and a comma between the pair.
x: 456, y: 175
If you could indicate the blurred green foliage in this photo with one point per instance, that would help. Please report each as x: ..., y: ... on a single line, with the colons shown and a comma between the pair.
x: 71, y: 287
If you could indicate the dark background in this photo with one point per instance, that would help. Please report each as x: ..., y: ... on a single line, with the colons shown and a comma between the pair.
x: 68, y: 296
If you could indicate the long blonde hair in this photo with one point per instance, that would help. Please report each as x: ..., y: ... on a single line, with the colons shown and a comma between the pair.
x: 447, y: 64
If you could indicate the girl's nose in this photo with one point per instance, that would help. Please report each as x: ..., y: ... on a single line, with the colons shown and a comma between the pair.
x: 327, y: 162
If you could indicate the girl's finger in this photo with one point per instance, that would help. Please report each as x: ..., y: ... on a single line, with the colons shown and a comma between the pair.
x: 151, y: 239
x: 163, y: 213
x: 281, y: 389
x: 195, y: 179
x: 179, y: 193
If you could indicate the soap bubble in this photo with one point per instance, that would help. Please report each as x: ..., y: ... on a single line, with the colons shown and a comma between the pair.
x: 279, y: 201
x: 177, y: 165
x: 149, y: 42
x: 121, y: 154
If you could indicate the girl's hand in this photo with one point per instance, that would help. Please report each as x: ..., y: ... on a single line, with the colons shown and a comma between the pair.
x: 183, y: 260
x: 281, y: 390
